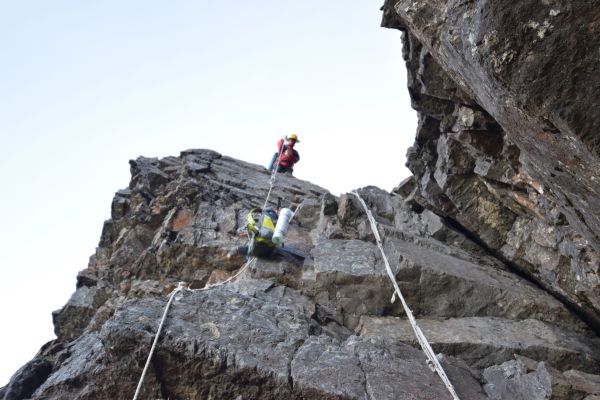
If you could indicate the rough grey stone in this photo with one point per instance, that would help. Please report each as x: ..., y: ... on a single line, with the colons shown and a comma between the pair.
x: 275, y: 330
x: 511, y: 381
x: 584, y: 382
x: 221, y: 343
x: 504, y: 147
x: 442, y: 281
x: 483, y: 342
x: 72, y: 319
x: 27, y: 379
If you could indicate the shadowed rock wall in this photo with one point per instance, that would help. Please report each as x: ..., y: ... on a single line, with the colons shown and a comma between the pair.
x: 507, y: 143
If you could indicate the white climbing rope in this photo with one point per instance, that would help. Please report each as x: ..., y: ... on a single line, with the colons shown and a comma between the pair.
x: 231, y: 278
x: 272, y: 180
x: 179, y: 287
x: 433, y: 362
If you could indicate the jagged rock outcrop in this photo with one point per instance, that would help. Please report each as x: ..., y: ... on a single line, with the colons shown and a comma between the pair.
x: 494, y: 242
x: 320, y: 327
x: 507, y: 144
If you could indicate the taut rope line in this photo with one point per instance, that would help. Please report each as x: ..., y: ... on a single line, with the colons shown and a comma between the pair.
x: 432, y: 361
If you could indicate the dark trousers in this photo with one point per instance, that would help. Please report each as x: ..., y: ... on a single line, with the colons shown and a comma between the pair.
x: 261, y: 250
x: 285, y: 170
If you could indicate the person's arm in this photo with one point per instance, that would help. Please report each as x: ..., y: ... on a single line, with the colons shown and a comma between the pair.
x: 280, y: 145
x: 297, y: 156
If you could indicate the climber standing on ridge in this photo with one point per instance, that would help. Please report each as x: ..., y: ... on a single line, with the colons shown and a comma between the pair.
x: 286, y: 156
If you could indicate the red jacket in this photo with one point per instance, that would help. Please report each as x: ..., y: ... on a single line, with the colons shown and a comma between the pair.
x: 288, y: 156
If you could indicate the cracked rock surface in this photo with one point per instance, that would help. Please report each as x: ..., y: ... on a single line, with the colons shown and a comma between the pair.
x: 315, y: 323
x: 505, y: 147
x: 494, y: 242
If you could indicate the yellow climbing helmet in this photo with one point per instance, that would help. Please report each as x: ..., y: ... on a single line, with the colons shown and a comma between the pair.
x: 293, y: 136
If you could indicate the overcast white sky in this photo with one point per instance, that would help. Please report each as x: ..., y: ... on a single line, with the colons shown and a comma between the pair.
x: 87, y: 85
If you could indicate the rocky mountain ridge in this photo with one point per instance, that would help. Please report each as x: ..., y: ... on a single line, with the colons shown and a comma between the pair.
x: 323, y: 327
x: 493, y: 241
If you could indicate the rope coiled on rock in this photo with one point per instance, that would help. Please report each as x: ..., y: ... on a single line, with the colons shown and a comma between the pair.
x: 432, y: 360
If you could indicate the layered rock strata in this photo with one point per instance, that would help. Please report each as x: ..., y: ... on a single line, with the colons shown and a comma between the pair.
x: 320, y: 327
x: 507, y: 143
x: 494, y: 242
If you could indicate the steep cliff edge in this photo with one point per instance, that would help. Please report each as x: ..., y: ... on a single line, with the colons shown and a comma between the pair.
x: 508, y: 142
x: 494, y: 243
x: 322, y: 327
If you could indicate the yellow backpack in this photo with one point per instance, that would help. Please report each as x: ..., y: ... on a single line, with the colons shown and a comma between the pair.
x: 263, y: 231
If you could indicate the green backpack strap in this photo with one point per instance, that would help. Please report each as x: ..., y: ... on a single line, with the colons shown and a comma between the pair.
x: 251, y: 221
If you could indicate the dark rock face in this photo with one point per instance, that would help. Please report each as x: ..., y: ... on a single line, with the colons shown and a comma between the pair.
x: 494, y: 243
x: 507, y: 144
x: 27, y: 379
x: 322, y: 327
x: 494, y: 340
x: 520, y: 385
x: 524, y: 378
